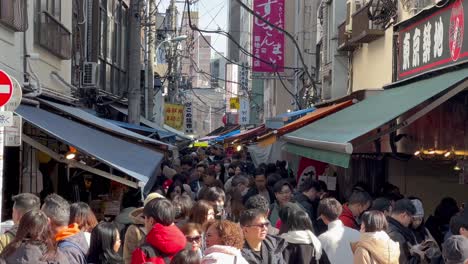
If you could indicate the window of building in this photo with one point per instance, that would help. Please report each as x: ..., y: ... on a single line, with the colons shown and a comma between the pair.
x: 112, y: 45
x: 50, y: 33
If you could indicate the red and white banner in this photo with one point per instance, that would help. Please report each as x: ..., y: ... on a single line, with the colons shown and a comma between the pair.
x: 309, y: 168
x: 268, y: 42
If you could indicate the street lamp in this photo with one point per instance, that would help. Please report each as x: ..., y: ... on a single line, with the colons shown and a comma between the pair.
x: 175, y: 39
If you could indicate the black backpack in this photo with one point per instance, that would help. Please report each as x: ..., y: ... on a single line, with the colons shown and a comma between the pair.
x: 151, y: 252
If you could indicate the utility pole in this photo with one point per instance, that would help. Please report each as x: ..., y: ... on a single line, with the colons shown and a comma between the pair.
x: 151, y: 55
x: 134, y: 62
x: 172, y: 60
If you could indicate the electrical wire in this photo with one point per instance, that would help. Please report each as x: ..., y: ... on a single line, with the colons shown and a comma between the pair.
x: 287, y: 90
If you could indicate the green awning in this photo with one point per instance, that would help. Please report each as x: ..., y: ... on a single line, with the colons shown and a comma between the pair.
x: 327, y: 156
x: 335, y: 132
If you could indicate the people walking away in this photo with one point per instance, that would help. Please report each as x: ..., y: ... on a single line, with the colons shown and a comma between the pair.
x: 82, y: 214
x: 459, y: 224
x: 303, y: 245
x: 136, y: 232
x: 431, y: 251
x: 202, y: 212
x: 455, y: 250
x: 194, y: 235
x: 164, y: 239
x: 105, y: 245
x: 33, y: 243
x: 260, y: 187
x: 186, y: 256
x: 224, y: 240
x: 439, y: 223
x: 71, y: 240
x: 359, y: 202
x: 337, y: 239
x: 283, y: 194
x: 375, y: 246
x: 22, y: 203
x: 399, y: 231
x: 261, y: 203
x: 259, y: 247
x: 308, y: 197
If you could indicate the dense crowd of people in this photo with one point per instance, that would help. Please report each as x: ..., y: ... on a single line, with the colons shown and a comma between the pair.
x: 209, y: 209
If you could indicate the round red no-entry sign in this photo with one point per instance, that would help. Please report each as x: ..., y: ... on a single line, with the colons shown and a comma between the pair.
x: 6, y: 88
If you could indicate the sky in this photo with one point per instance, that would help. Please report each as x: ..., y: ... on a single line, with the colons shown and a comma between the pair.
x: 213, y: 15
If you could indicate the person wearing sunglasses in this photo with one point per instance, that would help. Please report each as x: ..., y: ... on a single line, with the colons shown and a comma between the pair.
x: 259, y: 247
x: 194, y: 234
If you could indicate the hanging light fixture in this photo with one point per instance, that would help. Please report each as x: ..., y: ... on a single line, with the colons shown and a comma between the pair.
x: 417, y: 153
x: 71, y: 154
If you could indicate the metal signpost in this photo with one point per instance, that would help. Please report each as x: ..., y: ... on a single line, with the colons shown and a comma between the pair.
x: 6, y: 120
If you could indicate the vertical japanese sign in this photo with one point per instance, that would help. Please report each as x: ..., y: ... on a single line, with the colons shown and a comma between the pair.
x: 432, y: 40
x: 188, y: 118
x: 232, y: 86
x: 244, y: 111
x: 268, y: 42
x: 173, y: 115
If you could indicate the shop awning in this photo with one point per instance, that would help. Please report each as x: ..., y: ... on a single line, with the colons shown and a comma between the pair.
x: 245, y: 134
x: 270, y: 137
x: 162, y: 133
x: 100, y: 123
x: 331, y: 139
x: 282, y: 119
x: 149, y: 123
x: 232, y: 133
x: 137, y: 161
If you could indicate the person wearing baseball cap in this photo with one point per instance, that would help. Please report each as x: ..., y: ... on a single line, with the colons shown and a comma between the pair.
x: 136, y: 232
x: 455, y: 250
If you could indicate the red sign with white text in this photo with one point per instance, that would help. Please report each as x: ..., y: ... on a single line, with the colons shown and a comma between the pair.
x: 6, y: 88
x: 268, y: 42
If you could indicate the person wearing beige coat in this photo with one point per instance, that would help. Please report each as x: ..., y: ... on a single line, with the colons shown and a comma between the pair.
x: 374, y: 245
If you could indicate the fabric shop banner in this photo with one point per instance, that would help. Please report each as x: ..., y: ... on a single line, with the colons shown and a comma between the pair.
x: 432, y: 40
x: 268, y: 42
x: 174, y: 116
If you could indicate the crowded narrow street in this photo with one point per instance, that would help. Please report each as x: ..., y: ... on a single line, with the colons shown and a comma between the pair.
x: 233, y: 131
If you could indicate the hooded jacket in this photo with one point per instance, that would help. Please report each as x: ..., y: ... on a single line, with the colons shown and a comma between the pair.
x: 29, y: 253
x: 167, y: 241
x: 376, y: 248
x: 303, y: 247
x: 223, y: 255
x: 398, y: 233
x: 271, y: 252
x: 348, y: 219
x: 72, y: 242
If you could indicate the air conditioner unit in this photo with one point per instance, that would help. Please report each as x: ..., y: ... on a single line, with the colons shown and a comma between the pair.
x: 351, y: 7
x: 89, y: 75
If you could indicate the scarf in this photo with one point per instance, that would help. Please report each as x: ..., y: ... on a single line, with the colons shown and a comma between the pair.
x: 67, y: 232
x: 304, y: 237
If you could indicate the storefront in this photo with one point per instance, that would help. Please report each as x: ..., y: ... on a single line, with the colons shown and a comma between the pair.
x: 412, y: 134
x: 82, y: 157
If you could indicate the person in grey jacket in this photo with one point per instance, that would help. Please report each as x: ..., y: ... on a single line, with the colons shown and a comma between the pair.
x: 70, y: 239
x: 33, y: 244
x: 259, y: 247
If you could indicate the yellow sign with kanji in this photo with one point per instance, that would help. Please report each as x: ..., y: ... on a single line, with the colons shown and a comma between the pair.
x: 234, y: 103
x: 174, y: 116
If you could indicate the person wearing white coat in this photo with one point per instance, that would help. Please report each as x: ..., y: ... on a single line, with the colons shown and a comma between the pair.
x: 337, y: 240
x: 223, y: 255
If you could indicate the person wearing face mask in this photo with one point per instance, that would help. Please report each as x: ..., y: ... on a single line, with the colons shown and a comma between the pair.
x: 358, y: 203
x: 217, y: 198
x: 426, y: 247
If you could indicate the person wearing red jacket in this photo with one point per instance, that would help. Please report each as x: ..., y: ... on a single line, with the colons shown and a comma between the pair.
x: 164, y: 239
x: 359, y: 202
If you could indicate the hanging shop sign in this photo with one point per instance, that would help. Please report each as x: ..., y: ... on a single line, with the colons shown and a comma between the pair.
x: 173, y: 115
x: 234, y: 103
x: 13, y: 133
x: 244, y: 111
x: 268, y: 42
x: 232, y: 84
x: 432, y: 40
x: 188, y: 118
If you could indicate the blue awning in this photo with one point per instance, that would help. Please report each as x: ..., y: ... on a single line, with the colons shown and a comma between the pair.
x: 162, y: 134
x: 286, y: 118
x: 232, y: 133
x: 135, y: 160
x: 85, y: 116
x: 297, y: 113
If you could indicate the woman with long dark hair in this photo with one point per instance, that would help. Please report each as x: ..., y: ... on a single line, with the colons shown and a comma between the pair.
x: 34, y: 242
x: 220, y: 171
x: 81, y: 214
x: 105, y: 244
